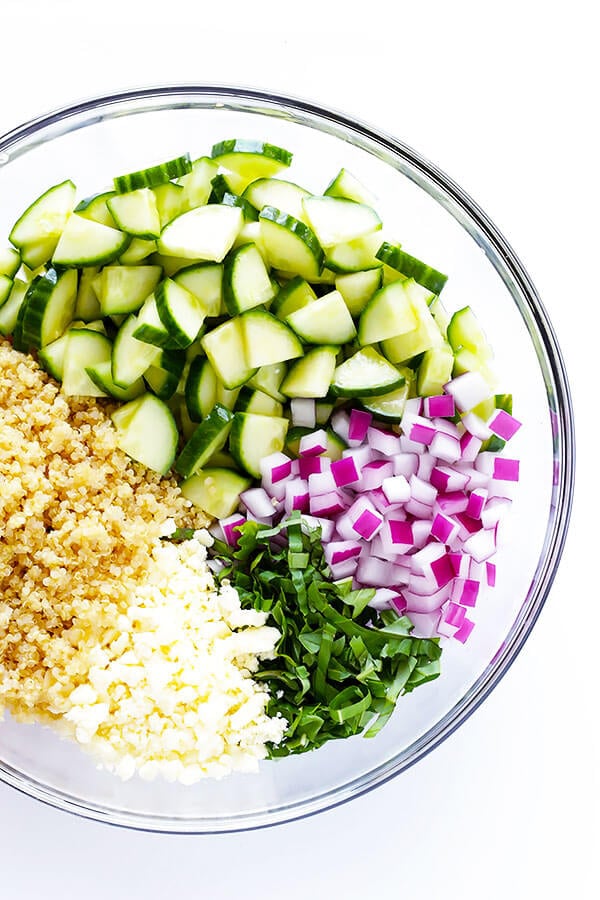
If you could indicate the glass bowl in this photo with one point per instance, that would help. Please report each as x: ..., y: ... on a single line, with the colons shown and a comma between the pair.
x: 436, y: 221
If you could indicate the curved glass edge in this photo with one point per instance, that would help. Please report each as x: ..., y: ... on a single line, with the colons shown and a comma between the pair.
x: 507, y: 264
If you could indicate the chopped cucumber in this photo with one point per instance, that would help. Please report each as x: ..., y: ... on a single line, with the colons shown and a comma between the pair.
x: 425, y: 336
x: 253, y: 437
x: 412, y: 267
x: 37, y: 231
x: 101, y: 375
x: 253, y: 401
x: 6, y: 286
x: 465, y: 331
x: 215, y: 490
x: 123, y: 289
x: 155, y: 175
x: 138, y: 250
x: 49, y: 307
x: 225, y: 349
x: 390, y: 407
x: 366, y: 374
x: 84, y: 348
x: 180, y: 312
x: 208, y: 438
x: 170, y: 201
x: 246, y: 281
x: 197, y: 185
x: 346, y: 185
x: 357, y: 288
x: 200, y: 389
x: 283, y: 195
x: 336, y: 220
x: 290, y: 244
x: 204, y: 233
x: 267, y: 340
x: 204, y: 281
x: 269, y: 379
x: 312, y: 375
x: 435, y: 370
x: 9, y: 311
x: 251, y: 159
x: 355, y: 256
x: 150, y: 327
x: 136, y: 213
x: 326, y: 321
x: 131, y: 357
x: 147, y: 432
x: 388, y: 314
x: 52, y: 356
x: 87, y: 243
x: 87, y: 305
x: 294, y: 295
x: 10, y: 262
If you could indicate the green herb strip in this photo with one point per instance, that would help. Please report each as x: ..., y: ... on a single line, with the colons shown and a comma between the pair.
x: 340, y: 666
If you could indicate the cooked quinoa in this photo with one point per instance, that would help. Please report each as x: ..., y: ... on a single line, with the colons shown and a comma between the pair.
x: 80, y: 530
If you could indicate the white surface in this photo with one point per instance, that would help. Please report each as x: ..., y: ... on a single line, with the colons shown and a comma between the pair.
x: 504, y: 99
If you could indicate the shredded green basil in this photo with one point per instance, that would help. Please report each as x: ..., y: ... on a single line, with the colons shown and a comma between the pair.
x: 340, y: 666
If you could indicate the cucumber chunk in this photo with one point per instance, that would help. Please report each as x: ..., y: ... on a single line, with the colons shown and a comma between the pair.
x: 136, y: 213
x: 269, y: 379
x: 198, y: 184
x: 390, y: 407
x: 150, y: 327
x: 131, y: 357
x: 267, y: 340
x: 204, y: 281
x: 153, y: 176
x: 49, y: 307
x: 435, y: 369
x: 291, y: 246
x: 9, y: 311
x: 357, y: 288
x: 37, y: 231
x: 425, y: 336
x: 251, y: 159
x: 294, y: 295
x: 254, y: 401
x: 336, y: 220
x: 253, y: 437
x: 10, y: 261
x: 388, y: 314
x: 412, y: 267
x: 170, y: 201
x: 147, y: 432
x: 204, y: 233
x: 180, y: 311
x: 226, y: 351
x: 87, y: 305
x: 355, y: 256
x: 84, y: 348
x: 366, y: 374
x: 138, y: 250
x: 123, y: 289
x: 246, y: 281
x: 101, y: 375
x: 346, y: 185
x: 325, y: 321
x: 312, y: 375
x: 216, y: 490
x: 6, y: 285
x: 208, y: 438
x: 87, y: 243
x: 465, y: 331
x: 96, y: 208
x: 200, y: 389
x: 283, y: 195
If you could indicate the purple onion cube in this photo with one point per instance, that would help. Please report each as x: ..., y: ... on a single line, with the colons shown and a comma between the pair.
x: 464, y: 632
x: 421, y: 431
x: 422, y: 491
x: 329, y: 504
x: 368, y: 524
x: 444, y: 529
x: 503, y: 424
x: 309, y: 465
x: 339, y: 551
x: 476, y: 426
x: 358, y: 425
x: 465, y: 591
x: 506, y: 469
x: 490, y: 571
x: 405, y: 464
x: 230, y: 527
x: 481, y: 545
x: 468, y: 390
x: 469, y: 446
x: 385, y: 442
x: 313, y: 444
x: 443, y: 571
x: 460, y: 564
x: 296, y: 495
x: 344, y: 569
x: 401, y: 533
x: 454, y: 614
x: 476, y: 503
x: 340, y: 423
x: 446, y: 447
x: 396, y: 489
x: 374, y: 473
x: 321, y: 483
x: 379, y: 500
x: 439, y: 405
x: 345, y: 471
x: 427, y: 462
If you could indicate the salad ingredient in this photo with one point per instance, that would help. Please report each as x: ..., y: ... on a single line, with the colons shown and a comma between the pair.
x: 340, y: 665
x: 101, y: 621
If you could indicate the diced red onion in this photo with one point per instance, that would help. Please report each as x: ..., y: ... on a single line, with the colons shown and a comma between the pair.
x: 380, y: 501
x: 422, y: 491
x: 490, y: 572
x: 425, y: 603
x: 275, y: 467
x: 344, y: 569
x: 477, y: 499
x: 444, y: 529
x: 320, y: 483
x: 417, y: 509
x: 468, y: 390
x: 505, y: 469
x: 421, y: 532
x: 229, y: 527
x: 358, y: 426
x: 374, y: 473
x: 460, y: 564
x: 481, y: 545
x: 396, y: 489
x: 327, y: 504
x: 345, y: 471
x: 503, y: 424
x: 385, y: 442
x: 469, y: 446
x: 339, y: 551
x: 463, y: 633
x: 296, y: 495
x: 425, y: 624
x: 311, y: 465
x: 374, y: 572
x: 313, y: 444
x: 420, y: 430
x: 447, y: 479
x: 445, y: 447
x: 426, y: 465
x: 406, y: 464
x: 327, y: 527
x: 476, y: 426
x: 413, y: 406
x: 385, y: 598
x: 465, y: 591
x: 493, y: 511
x: 396, y: 536
x: 258, y: 503
x: 454, y: 614
x: 303, y: 412
x: 340, y: 423
x: 408, y: 446
x: 367, y: 523
x: 439, y: 405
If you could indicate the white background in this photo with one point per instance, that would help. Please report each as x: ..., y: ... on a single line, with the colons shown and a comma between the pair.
x: 504, y: 97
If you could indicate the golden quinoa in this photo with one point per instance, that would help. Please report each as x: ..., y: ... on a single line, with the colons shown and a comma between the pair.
x: 78, y: 521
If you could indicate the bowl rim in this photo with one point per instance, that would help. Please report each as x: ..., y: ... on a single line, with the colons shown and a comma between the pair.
x: 556, y: 532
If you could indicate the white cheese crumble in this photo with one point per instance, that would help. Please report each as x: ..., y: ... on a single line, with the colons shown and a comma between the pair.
x: 173, y: 694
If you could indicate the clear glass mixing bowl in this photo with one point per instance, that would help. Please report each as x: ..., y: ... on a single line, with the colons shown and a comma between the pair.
x: 435, y: 220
